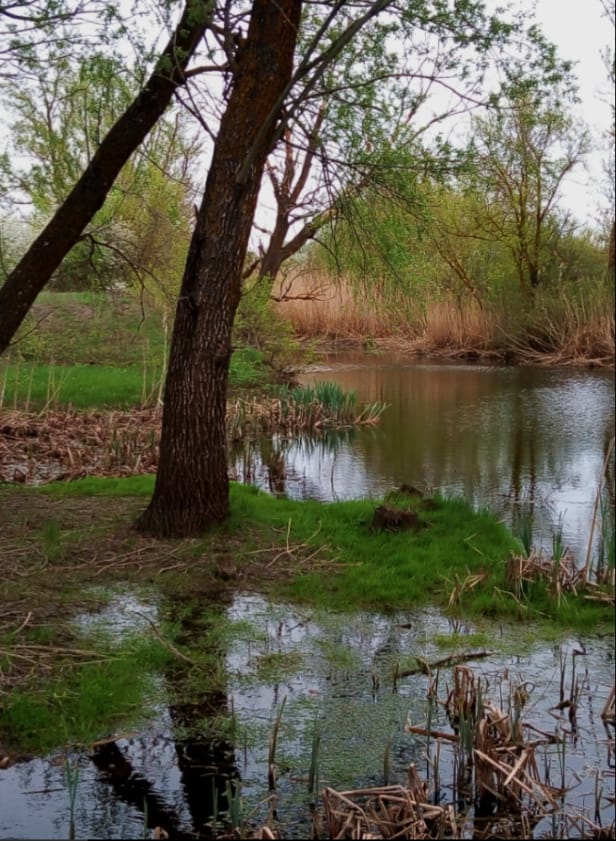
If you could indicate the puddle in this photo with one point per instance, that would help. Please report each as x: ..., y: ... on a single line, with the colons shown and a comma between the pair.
x: 333, y: 673
x: 126, y: 612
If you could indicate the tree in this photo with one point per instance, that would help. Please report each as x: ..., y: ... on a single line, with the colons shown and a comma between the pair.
x: 28, y: 29
x: 609, y: 59
x: 192, y: 486
x: 523, y: 153
x: 263, y: 95
x: 45, y: 254
x: 255, y: 91
x: 373, y: 122
x: 60, y: 113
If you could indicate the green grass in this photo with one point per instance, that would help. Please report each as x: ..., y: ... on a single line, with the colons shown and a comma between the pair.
x: 86, y: 328
x: 366, y: 568
x: 96, y: 486
x: 91, y: 350
x: 34, y: 386
x: 85, y: 701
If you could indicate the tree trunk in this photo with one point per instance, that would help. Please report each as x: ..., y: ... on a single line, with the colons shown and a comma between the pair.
x: 43, y: 257
x: 192, y: 487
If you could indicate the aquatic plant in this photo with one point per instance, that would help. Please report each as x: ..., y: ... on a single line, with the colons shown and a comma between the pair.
x: 597, y: 511
x: 523, y: 525
x: 72, y: 781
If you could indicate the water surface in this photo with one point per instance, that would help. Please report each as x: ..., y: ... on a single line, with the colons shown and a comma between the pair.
x: 332, y: 674
x: 505, y: 438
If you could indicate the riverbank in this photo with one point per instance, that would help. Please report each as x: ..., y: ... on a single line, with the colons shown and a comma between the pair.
x: 426, y: 348
x: 565, y: 326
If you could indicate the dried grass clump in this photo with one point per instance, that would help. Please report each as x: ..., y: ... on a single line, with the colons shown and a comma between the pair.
x: 507, y: 782
x: 66, y: 444
x: 509, y: 794
x: 386, y: 812
x: 562, y: 576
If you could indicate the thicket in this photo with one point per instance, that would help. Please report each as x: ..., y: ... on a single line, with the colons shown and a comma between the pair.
x: 425, y: 272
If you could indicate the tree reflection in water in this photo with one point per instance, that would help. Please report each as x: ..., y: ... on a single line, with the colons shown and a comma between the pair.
x: 205, y: 759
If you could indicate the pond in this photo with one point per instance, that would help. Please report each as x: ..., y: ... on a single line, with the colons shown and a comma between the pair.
x: 304, y: 674
x: 506, y: 438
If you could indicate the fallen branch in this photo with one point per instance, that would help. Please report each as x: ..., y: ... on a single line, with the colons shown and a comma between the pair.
x: 453, y: 660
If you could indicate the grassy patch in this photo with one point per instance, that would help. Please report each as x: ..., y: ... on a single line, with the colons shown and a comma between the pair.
x: 97, y: 486
x: 85, y: 700
x: 458, y: 641
x: 331, y: 554
x: 87, y: 328
x: 94, y: 350
x: 34, y: 385
x: 276, y: 666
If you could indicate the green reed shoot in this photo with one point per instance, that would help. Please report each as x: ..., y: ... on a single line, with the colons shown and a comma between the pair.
x: 234, y: 799
x: 313, y: 771
x: 72, y: 782
x: 558, y: 546
x: 605, y: 556
x: 51, y: 540
x: 523, y: 526
x: 387, y: 762
x: 271, y: 758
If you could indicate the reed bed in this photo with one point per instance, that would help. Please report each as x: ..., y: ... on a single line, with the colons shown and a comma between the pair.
x: 562, y: 576
x: 300, y: 410
x: 385, y: 812
x: 563, y: 327
x: 318, y: 305
x: 67, y: 444
x: 499, y: 787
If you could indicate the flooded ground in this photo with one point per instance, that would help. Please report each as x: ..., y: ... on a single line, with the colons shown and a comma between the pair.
x: 349, y: 680
x: 338, y: 691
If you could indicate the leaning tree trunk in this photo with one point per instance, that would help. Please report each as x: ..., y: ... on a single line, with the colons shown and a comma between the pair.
x: 43, y: 257
x: 192, y: 487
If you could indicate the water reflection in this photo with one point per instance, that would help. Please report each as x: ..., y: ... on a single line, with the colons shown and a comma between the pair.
x: 336, y: 676
x: 504, y: 438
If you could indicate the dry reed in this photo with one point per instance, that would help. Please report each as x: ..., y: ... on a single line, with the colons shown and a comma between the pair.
x: 67, y: 444
x: 491, y: 746
x: 563, y: 332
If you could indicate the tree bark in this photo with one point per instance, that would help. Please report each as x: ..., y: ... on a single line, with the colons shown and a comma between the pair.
x: 192, y: 487
x: 43, y: 257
